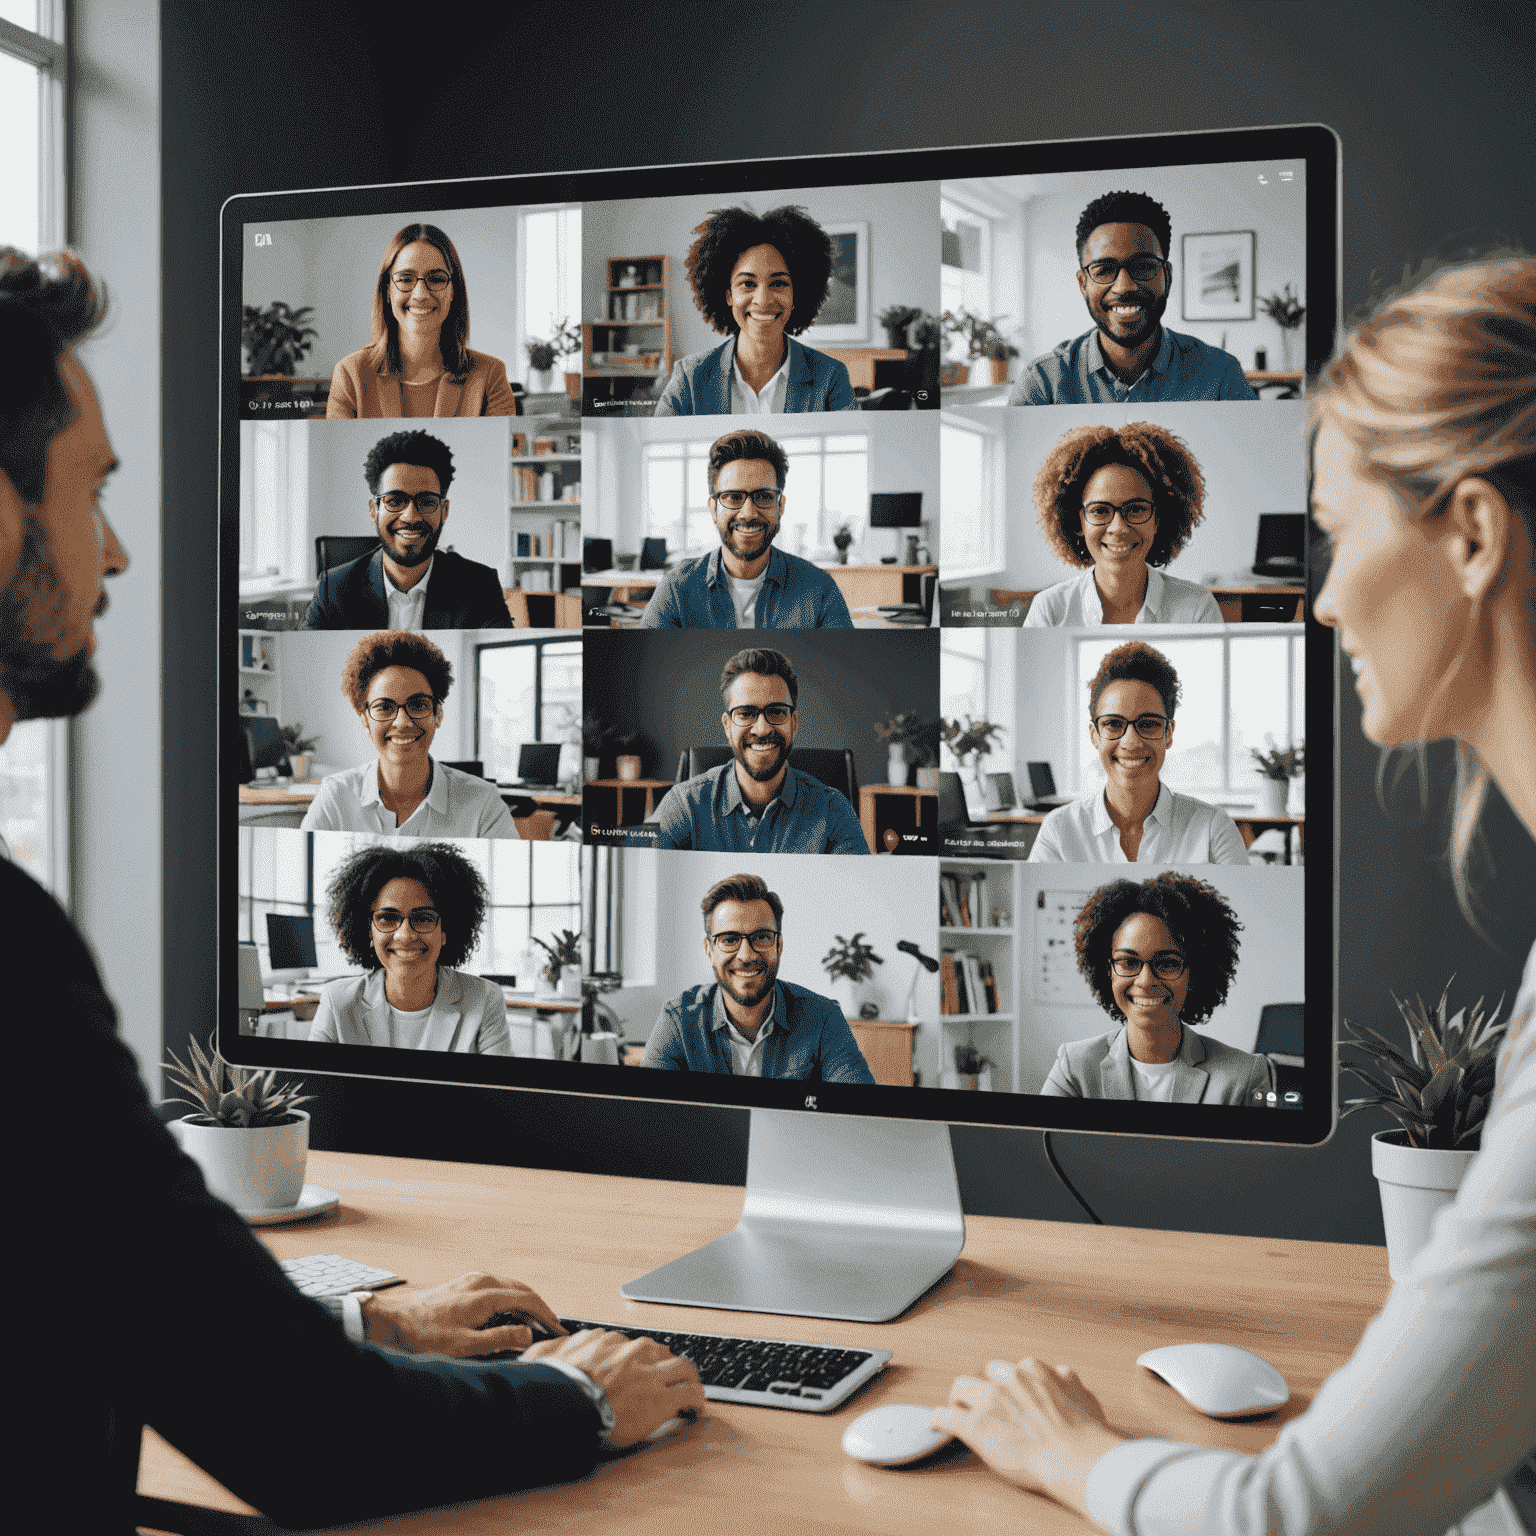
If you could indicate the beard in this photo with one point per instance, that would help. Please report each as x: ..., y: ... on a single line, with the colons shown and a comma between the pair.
x: 732, y: 540
x: 411, y: 557
x: 1151, y: 317
x: 763, y: 984
x: 40, y: 685
x: 762, y: 775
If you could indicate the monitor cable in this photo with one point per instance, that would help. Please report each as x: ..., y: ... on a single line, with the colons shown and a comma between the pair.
x: 1050, y: 1152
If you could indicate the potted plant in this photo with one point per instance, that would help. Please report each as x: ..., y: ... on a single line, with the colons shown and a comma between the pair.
x: 1288, y: 313
x: 973, y: 1070
x: 560, y: 975
x: 969, y: 741
x: 909, y: 739
x: 1278, y: 765
x: 1439, y: 1095
x: 842, y: 539
x: 542, y: 354
x: 296, y: 748
x: 247, y: 1134
x: 951, y: 324
x: 894, y: 319
x: 567, y: 343
x: 602, y: 1030
x: 849, y: 965
x: 275, y: 339
x: 999, y: 352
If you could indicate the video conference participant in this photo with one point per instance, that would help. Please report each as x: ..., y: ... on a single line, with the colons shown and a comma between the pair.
x: 472, y: 1429
x: 1160, y: 956
x: 419, y: 362
x: 746, y: 583
x: 407, y: 582
x: 760, y: 282
x: 1120, y: 502
x: 1136, y: 818
x: 1125, y: 277
x: 409, y: 916
x: 397, y: 683
x: 758, y: 802
x: 750, y: 1023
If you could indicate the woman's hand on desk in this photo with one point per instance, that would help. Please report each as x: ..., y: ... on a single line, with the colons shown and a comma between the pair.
x: 449, y: 1319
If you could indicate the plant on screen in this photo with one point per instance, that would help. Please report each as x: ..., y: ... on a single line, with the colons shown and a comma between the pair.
x: 564, y: 951
x: 1282, y: 763
x: 851, y: 958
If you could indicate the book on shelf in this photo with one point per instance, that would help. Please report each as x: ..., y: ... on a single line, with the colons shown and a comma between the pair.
x: 535, y: 578
x: 949, y: 983
x: 525, y: 483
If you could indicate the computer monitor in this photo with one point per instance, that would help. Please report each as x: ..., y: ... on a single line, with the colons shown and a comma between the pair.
x: 1042, y: 782
x: 852, y: 1206
x: 538, y: 762
x: 290, y: 946
x: 896, y: 509
x: 597, y: 554
x: 1282, y: 545
x: 264, y: 741
x: 997, y: 792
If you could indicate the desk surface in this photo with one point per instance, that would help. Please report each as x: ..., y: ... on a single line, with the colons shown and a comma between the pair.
x: 1094, y: 1297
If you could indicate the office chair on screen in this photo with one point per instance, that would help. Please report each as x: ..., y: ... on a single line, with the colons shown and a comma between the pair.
x: 954, y: 821
x: 333, y: 549
x: 832, y: 765
x: 1281, y: 1038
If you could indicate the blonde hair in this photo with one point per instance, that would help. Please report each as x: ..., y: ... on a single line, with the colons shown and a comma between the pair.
x: 1436, y: 386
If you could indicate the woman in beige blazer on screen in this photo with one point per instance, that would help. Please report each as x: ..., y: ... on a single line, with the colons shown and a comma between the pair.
x: 419, y: 363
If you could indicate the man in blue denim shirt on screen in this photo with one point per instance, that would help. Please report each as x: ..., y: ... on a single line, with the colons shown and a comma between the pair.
x: 750, y: 1023
x: 746, y: 583
x: 757, y: 802
x: 1124, y: 276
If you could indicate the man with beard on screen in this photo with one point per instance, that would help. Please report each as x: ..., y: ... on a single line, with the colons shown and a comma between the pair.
x: 749, y: 1023
x: 1125, y: 277
x: 746, y: 583
x: 758, y: 803
x: 407, y: 582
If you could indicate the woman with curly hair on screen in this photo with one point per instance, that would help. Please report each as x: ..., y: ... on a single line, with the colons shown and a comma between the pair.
x: 409, y: 914
x: 1160, y: 955
x: 1120, y: 502
x: 759, y: 282
x: 397, y: 681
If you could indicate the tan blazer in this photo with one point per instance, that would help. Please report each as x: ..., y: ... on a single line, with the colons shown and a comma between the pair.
x: 358, y: 389
x: 1206, y: 1071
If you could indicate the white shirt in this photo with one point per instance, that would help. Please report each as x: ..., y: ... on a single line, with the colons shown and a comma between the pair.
x: 1437, y: 1405
x: 457, y: 805
x: 746, y: 1055
x: 746, y: 401
x: 1178, y: 830
x: 1154, y: 1081
x: 1168, y: 600
x: 406, y: 608
x: 408, y: 1030
x: 744, y: 596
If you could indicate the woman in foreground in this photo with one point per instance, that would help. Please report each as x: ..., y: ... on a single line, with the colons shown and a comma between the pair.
x: 1425, y: 483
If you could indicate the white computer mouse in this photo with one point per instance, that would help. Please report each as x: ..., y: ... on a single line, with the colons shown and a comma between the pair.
x: 1219, y: 1379
x: 893, y: 1435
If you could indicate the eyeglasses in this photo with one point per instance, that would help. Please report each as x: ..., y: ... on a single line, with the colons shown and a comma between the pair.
x: 1102, y: 513
x: 774, y: 714
x: 421, y: 919
x: 762, y: 941
x: 762, y: 498
x: 427, y: 502
x: 1142, y: 268
x: 418, y: 707
x: 436, y: 280
x: 1148, y: 727
x: 1164, y: 967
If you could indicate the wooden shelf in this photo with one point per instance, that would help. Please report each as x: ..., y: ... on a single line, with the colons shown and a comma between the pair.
x: 639, y: 287
x: 1001, y: 933
x: 545, y: 458
x: 542, y: 506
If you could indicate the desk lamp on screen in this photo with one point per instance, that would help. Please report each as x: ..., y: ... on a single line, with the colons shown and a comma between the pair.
x: 852, y: 1205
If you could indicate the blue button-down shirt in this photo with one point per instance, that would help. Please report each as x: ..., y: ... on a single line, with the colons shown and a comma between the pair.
x: 708, y: 814
x: 1185, y: 368
x: 795, y: 595
x: 809, y: 1038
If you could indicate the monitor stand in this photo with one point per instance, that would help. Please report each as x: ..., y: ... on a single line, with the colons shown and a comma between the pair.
x: 843, y: 1217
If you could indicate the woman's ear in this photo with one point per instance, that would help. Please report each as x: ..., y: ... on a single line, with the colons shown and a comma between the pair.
x: 1476, y: 533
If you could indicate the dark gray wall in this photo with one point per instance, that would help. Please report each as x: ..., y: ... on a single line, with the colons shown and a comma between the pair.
x: 1434, y: 106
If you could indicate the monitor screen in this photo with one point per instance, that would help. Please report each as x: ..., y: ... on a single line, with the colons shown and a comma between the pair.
x: 596, y: 554
x: 290, y: 941
x: 1282, y: 542
x: 1042, y: 782
x: 538, y: 762
x: 896, y: 509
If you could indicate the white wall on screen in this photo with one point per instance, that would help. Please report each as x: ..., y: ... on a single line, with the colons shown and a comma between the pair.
x: 1007, y: 217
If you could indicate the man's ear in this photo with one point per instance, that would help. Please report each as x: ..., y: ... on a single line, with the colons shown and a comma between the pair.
x: 1475, y: 536
x: 725, y: 723
x: 442, y: 516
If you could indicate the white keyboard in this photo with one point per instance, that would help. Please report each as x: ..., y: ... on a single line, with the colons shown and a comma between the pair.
x: 328, y: 1274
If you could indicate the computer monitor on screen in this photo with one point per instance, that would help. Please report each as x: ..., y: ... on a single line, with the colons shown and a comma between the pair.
x: 290, y: 946
x: 852, y: 1205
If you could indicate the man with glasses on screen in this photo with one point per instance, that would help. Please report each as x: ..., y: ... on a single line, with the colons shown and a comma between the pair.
x: 301, y: 1437
x: 408, y: 582
x: 750, y: 1023
x: 1125, y: 277
x: 758, y: 802
x: 746, y: 583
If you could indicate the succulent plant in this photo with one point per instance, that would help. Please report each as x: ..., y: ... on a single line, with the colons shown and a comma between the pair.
x: 237, y: 1097
x: 295, y: 741
x: 968, y: 737
x: 1285, y: 309
x: 969, y: 1061
x: 566, y: 950
x: 852, y: 958
x: 1439, y: 1093
x: 1281, y: 763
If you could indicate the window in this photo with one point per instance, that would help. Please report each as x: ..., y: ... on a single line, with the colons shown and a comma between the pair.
x: 965, y: 272
x: 274, y: 501
x: 963, y: 674
x: 550, y: 275
x: 968, y: 492
x: 526, y: 691
x: 603, y: 900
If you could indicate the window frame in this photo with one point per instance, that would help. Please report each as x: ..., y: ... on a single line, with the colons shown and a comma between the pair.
x: 994, y: 512
x: 520, y: 367
x: 538, y: 642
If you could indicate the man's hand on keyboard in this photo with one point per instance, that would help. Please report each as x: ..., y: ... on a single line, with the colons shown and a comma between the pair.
x: 449, y: 1319
x: 646, y: 1384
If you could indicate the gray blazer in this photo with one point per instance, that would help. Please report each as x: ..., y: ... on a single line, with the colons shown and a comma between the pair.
x: 469, y: 1014
x: 1207, y: 1072
x: 700, y: 384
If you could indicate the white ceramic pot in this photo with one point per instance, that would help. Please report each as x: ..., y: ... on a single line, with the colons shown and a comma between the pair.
x: 570, y: 981
x: 1416, y: 1184
x: 298, y: 766
x: 896, y: 767
x: 1296, y: 800
x: 850, y: 996
x: 541, y: 381
x: 928, y: 778
x: 255, y: 1169
x: 591, y: 768
x: 1272, y: 796
x: 600, y: 1049
x: 980, y: 1082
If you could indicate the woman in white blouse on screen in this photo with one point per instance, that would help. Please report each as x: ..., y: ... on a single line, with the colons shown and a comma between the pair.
x: 1425, y: 483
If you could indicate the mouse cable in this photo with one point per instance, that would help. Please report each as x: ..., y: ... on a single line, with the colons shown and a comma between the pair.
x: 1050, y: 1152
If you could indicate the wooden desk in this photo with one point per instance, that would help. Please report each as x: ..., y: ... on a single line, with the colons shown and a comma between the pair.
x: 277, y: 794
x: 868, y: 586
x: 900, y: 817
x: 302, y: 1006
x: 887, y: 1047
x: 618, y: 786
x: 860, y: 361
x: 1093, y: 1297
x: 1239, y: 604
x: 1251, y: 825
x: 564, y: 608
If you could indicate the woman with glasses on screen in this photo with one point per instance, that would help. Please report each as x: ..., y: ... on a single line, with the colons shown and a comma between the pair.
x: 1120, y: 503
x: 1160, y: 956
x: 397, y: 681
x: 759, y: 282
x: 419, y: 362
x: 409, y: 914
x: 1136, y: 818
x: 1424, y: 465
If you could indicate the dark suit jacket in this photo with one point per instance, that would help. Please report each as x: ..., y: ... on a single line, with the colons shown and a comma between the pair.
x: 462, y: 594
x: 160, y: 1306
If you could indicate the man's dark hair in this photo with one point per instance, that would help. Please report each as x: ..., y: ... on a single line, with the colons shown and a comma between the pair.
x: 727, y: 232
x: 746, y: 444
x: 393, y: 648
x: 1125, y: 208
x: 409, y: 448
x: 740, y: 888
x: 765, y: 663
x: 453, y: 883
x: 1136, y: 662
x: 43, y: 310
